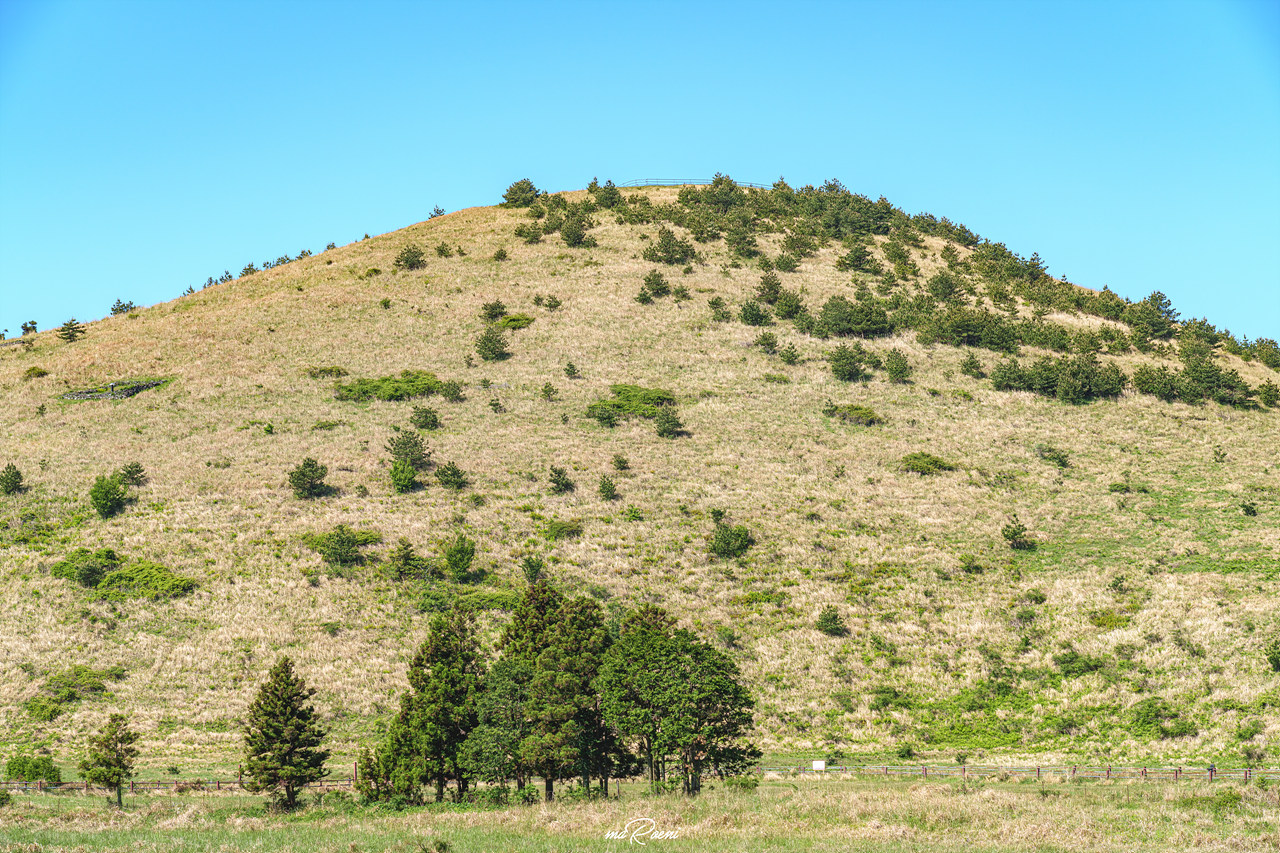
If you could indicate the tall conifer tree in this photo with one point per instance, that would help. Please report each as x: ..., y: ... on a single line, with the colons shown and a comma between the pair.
x: 282, y: 738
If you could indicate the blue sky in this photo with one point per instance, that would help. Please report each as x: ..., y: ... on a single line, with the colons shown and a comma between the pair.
x: 145, y: 146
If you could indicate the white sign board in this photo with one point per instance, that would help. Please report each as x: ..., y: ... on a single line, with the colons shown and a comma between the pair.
x: 819, y: 765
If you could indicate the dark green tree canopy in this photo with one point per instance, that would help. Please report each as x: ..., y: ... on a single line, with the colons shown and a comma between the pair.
x: 282, y: 737
x: 111, y: 754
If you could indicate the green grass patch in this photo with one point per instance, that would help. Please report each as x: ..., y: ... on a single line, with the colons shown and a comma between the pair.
x: 409, y: 384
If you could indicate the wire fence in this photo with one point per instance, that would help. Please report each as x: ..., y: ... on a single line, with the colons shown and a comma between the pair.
x: 921, y: 771
x: 684, y: 182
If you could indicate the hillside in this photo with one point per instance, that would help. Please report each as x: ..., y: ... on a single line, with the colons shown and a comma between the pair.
x: 1134, y: 623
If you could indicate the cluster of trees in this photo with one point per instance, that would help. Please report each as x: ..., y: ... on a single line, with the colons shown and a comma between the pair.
x: 570, y: 698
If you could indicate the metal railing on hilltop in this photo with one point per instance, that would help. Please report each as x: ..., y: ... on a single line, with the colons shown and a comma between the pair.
x: 685, y: 182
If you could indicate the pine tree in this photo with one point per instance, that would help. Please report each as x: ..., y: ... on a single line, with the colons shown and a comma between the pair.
x: 70, y: 330
x: 111, y: 754
x: 282, y: 737
x: 437, y: 713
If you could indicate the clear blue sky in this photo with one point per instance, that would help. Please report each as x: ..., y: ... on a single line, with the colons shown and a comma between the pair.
x: 145, y: 146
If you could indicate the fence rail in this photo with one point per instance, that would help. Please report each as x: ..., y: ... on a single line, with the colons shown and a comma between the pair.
x: 681, y: 182
x: 923, y: 771
x: 1070, y: 771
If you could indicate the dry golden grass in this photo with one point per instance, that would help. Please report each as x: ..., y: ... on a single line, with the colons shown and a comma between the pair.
x: 826, y: 502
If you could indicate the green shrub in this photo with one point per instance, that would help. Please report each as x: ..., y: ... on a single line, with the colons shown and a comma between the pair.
x: 847, y: 364
x: 500, y: 254
x: 787, y: 263
x: 1154, y: 718
x: 865, y: 319
x: 108, y: 495
x: 925, y: 463
x: 852, y: 413
x: 789, y: 354
x: 1074, y: 664
x: 1268, y: 394
x: 451, y: 476
x: 521, y: 193
x: 144, y: 579
x: 656, y: 284
x: 444, y: 250
x: 1272, y: 654
x: 10, y: 479
x: 452, y: 391
x: 491, y: 345
x: 407, y: 446
x: 667, y: 424
x: 34, y: 372
x: 404, y: 477
x: 409, y: 384
x: 719, y: 310
x: 458, y: 556
x: 530, y: 232
x: 411, y: 257
x: 515, y: 322
x: 549, y: 392
x: 493, y: 311
x: 631, y: 400
x: 307, y: 480
x: 86, y: 567
x: 32, y: 768
x: 132, y: 474
x: 1015, y: 533
x: 620, y: 462
x: 608, y: 490
x: 753, y: 313
x: 669, y: 249
x: 830, y: 623
x: 70, y: 331
x: 897, y: 366
x: 730, y: 542
x: 770, y: 288
x: 424, y: 417
x: 1249, y: 508
x: 560, y: 482
x: 768, y: 342
x: 788, y: 305
x: 556, y: 530
x: 970, y: 366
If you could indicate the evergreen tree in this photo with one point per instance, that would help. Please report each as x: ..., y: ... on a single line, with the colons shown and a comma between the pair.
x: 437, y: 713
x: 110, y: 758
x: 674, y: 697
x: 70, y: 330
x: 282, y: 737
x: 493, y: 749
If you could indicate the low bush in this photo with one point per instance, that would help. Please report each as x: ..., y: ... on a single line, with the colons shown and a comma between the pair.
x: 86, y: 567
x: 444, y: 250
x: 407, y: 446
x: 787, y: 263
x: 830, y: 623
x: 307, y: 480
x: 852, y: 413
x: 555, y: 530
x: 144, y: 579
x: 729, y: 542
x: 341, y: 546
x: 972, y: 367
x: 667, y: 424
x: 719, y: 310
x: 897, y: 366
x: 451, y: 476
x: 458, y: 556
x: 521, y: 193
x: 10, y: 479
x: 409, y: 384
x: 411, y: 257
x: 32, y: 768
x: 34, y: 372
x: 491, y: 345
x: 770, y: 288
x: 560, y: 482
x: 1015, y: 533
x: 848, y: 364
x: 768, y: 342
x: 865, y: 319
x: 404, y: 476
x: 493, y: 311
x: 788, y: 305
x: 669, y: 249
x: 789, y: 354
x: 500, y: 254
x: 632, y: 400
x: 620, y: 462
x: 608, y: 489
x: 925, y: 463
x: 108, y: 495
x: 452, y: 391
x: 424, y: 417
x: 1057, y: 456
x: 132, y: 474
x: 753, y: 313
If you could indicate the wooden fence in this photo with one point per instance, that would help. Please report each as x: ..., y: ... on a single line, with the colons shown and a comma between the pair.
x: 922, y: 771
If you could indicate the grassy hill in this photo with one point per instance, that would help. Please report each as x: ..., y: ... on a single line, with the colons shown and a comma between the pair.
x: 1134, y: 624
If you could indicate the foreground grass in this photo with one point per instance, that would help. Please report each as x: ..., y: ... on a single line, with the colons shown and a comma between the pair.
x: 832, y: 814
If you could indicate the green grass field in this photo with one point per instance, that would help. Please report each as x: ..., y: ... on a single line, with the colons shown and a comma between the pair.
x: 782, y: 815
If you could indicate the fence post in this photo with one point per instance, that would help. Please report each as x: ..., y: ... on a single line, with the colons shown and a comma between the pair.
x: 1073, y: 771
x: 1177, y: 772
x: 240, y: 776
x: 1211, y: 772
x: 355, y: 773
x: 1108, y: 771
x: 1037, y: 772
x: 886, y: 771
x: 924, y: 771
x: 1144, y: 773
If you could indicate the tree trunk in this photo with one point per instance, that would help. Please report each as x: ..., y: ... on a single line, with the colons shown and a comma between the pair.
x: 549, y: 792
x: 440, y: 788
x: 120, y: 796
